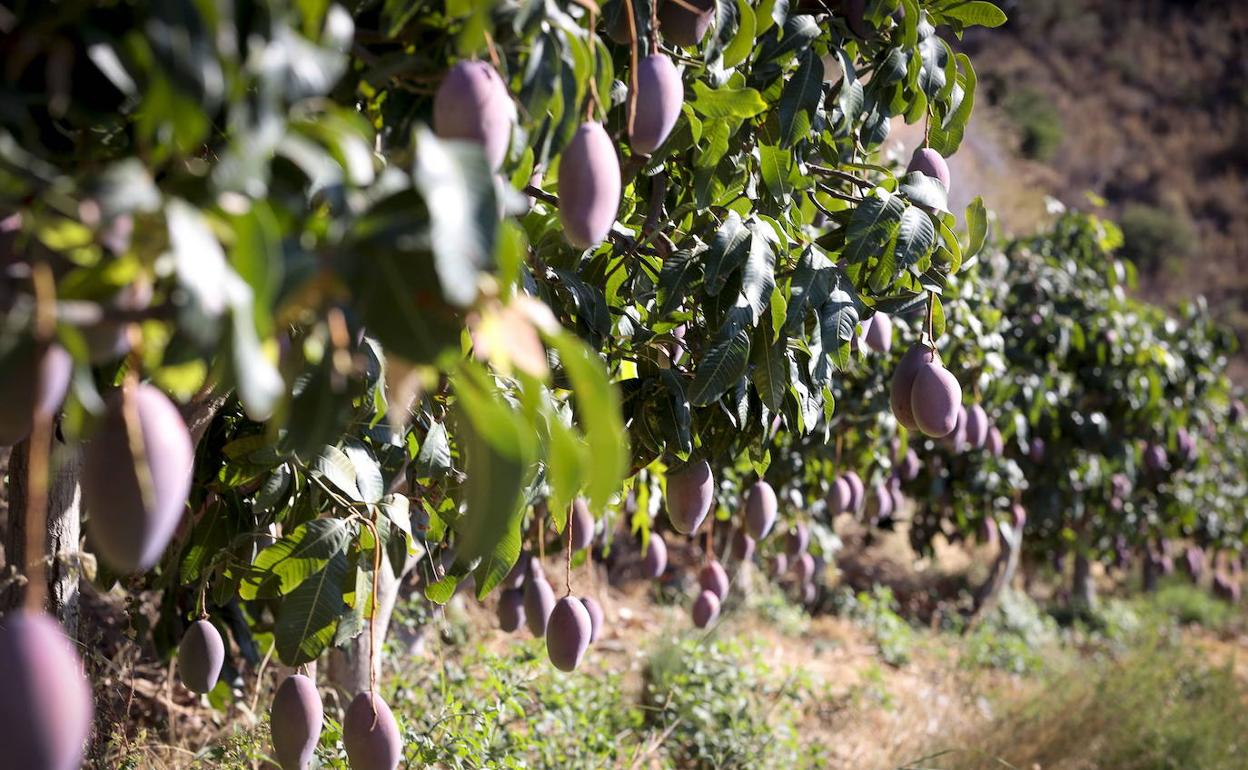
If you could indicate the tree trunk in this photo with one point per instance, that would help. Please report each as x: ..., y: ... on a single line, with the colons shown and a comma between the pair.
x: 347, y: 670
x: 64, y: 528
x: 1082, y: 585
x: 1002, y: 574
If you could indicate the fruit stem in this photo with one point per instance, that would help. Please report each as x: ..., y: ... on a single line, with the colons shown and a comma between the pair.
x: 202, y: 604
x: 40, y: 447
x: 489, y: 44
x: 567, y: 574
x: 371, y: 523
x: 931, y: 312
x: 541, y: 536
x: 632, y: 79
x: 710, y: 540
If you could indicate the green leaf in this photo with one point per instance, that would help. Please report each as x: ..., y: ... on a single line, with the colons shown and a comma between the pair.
x: 725, y: 102
x: 728, y: 251
x: 680, y: 270
x: 838, y: 321
x: 770, y: 373
x: 333, y: 465
x: 674, y: 415
x: 976, y: 226
x: 742, y: 42
x: 976, y: 13
x: 947, y: 137
x: 873, y: 226
x: 758, y: 273
x: 800, y: 99
x: 308, y: 615
x: 720, y: 368
x: 434, y: 458
x: 285, y: 565
x: 366, y: 470
x: 916, y: 237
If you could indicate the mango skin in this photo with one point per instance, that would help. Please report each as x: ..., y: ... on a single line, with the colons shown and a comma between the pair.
x: 839, y: 496
x: 32, y: 382
x: 127, y: 534
x: 705, y: 609
x: 879, y: 336
x: 931, y: 163
x: 582, y: 523
x: 900, y: 397
x: 690, y: 492
x: 200, y: 657
x: 760, y: 509
x: 568, y: 633
x: 539, y: 603
x: 935, y: 400
x: 857, y: 492
x: 660, y: 97
x: 714, y: 578
x: 597, y: 618
x: 683, y: 27
x: 976, y: 427
x: 371, y: 735
x: 45, y: 702
x: 511, y: 609
x: 804, y: 568
x: 798, y: 539
x: 472, y: 104
x: 296, y: 718
x: 742, y: 545
x: 589, y: 186
x: 654, y: 563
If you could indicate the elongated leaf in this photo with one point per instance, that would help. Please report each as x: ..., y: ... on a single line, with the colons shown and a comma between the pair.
x: 333, y: 465
x: 916, y: 237
x: 873, y: 226
x: 367, y: 472
x: 758, y: 274
x: 976, y: 13
x: 729, y: 250
x: 976, y: 226
x: 770, y: 373
x: 720, y: 368
x: 947, y: 137
x: 718, y: 103
x: 800, y: 98
x: 680, y: 270
x: 308, y: 615
x: 283, y: 566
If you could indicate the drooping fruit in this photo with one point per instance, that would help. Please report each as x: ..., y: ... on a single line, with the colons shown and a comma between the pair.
x: 539, y: 602
x: 472, y: 104
x: 931, y: 163
x: 582, y: 523
x: 660, y: 97
x: 655, y: 561
x: 935, y: 400
x: 515, y: 578
x: 988, y: 532
x: 690, y: 492
x: 956, y: 440
x: 1120, y: 484
x: 200, y: 655
x: 1036, y: 450
x: 511, y: 609
x: 742, y: 545
x: 879, y: 334
x: 713, y: 578
x: 903, y: 382
x: 910, y: 466
x: 568, y: 633
x: 1186, y: 444
x: 760, y: 509
x: 682, y: 26
x: 45, y: 702
x: 839, y: 495
x: 804, y: 568
x: 589, y: 186
x: 705, y: 609
x: 798, y: 539
x: 130, y: 525
x: 883, y: 500
x: 32, y: 382
x: 1155, y: 457
x: 810, y: 592
x: 295, y: 719
x: 370, y: 734
x: 779, y: 564
x: 995, y: 443
x: 1194, y: 562
x: 596, y: 617
x: 857, y: 492
x: 976, y: 427
x: 1019, y: 514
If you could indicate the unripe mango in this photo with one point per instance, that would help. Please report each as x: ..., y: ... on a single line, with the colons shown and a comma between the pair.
x: 1155, y: 457
x: 568, y: 633
x: 690, y: 492
x: 596, y: 617
x: 200, y: 656
x: 935, y: 399
x: 839, y: 496
x: 804, y: 568
x: 879, y: 335
x: 582, y: 523
x: 995, y: 443
x: 931, y: 163
x: 129, y: 529
x: 976, y: 427
x: 472, y: 104
x: 589, y: 186
x: 683, y: 27
x: 655, y: 560
x: 295, y: 720
x: 857, y: 492
x: 883, y: 500
x: 901, y: 395
x: 660, y: 97
x: 713, y: 578
x: 539, y: 602
x: 45, y: 702
x: 370, y: 734
x: 742, y: 545
x: 33, y: 381
x: 705, y: 609
x: 760, y: 509
x: 798, y: 539
x: 511, y: 609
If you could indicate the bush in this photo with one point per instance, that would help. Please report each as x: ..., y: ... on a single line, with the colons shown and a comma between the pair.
x: 877, y: 612
x: 1154, y: 237
x: 721, y: 706
x: 1181, y: 602
x: 1037, y: 120
x: 1013, y: 637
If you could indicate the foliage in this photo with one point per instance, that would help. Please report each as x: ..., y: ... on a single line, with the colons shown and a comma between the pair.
x: 1157, y: 237
x: 1178, y: 601
x: 1038, y: 122
x: 1015, y: 636
x: 877, y: 613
